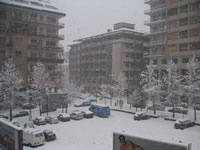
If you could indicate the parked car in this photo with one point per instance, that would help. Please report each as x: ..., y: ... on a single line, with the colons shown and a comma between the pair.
x: 3, y: 116
x: 33, y: 137
x: 140, y: 116
x: 185, y: 105
x: 158, y: 107
x: 21, y: 114
x: 183, y: 123
x: 64, y: 117
x: 52, y: 120
x: 16, y: 123
x: 197, y: 106
x: 39, y: 121
x: 83, y: 103
x: 76, y: 115
x: 178, y: 110
x: 29, y: 125
x: 49, y: 135
x: 100, y: 110
x: 87, y: 114
x: 28, y: 106
x: 167, y: 104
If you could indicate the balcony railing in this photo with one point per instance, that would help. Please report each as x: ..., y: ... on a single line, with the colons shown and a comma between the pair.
x: 153, y: 10
x: 147, y: 1
x: 159, y: 20
x: 162, y: 30
x: 50, y: 48
x: 46, y: 60
x: 153, y: 43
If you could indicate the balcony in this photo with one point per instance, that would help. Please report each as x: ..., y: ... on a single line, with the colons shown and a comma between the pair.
x: 157, y: 21
x: 54, y: 36
x: 159, y: 31
x: 48, y: 48
x: 45, y: 59
x: 154, y: 10
x: 147, y: 1
x: 154, y: 43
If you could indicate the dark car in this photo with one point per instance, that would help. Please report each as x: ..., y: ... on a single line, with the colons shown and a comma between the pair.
x: 197, y: 106
x: 39, y: 121
x: 3, y: 116
x: 63, y: 117
x: 87, y: 114
x: 158, y: 107
x: 178, y: 110
x: 21, y: 114
x: 49, y: 135
x: 28, y: 106
x: 141, y: 116
x: 183, y: 123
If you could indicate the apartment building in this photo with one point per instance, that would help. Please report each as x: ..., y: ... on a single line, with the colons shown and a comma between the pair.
x: 99, y: 59
x: 29, y: 32
x: 174, y: 33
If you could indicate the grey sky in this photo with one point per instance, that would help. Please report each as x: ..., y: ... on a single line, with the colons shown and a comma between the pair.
x: 90, y: 17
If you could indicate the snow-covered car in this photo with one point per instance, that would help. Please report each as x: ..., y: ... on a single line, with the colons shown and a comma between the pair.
x: 87, y: 114
x: 76, y: 115
x: 63, y: 117
x: 21, y: 114
x: 29, y: 125
x: 178, y: 110
x: 83, y: 103
x: 3, y: 116
x: 185, y: 105
x: 28, y: 106
x: 183, y: 123
x: 197, y: 106
x: 158, y: 107
x: 49, y: 135
x: 39, y: 121
x: 16, y: 123
x: 140, y: 116
x: 52, y: 120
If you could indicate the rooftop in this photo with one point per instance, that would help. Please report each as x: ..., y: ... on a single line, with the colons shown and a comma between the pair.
x: 41, y: 5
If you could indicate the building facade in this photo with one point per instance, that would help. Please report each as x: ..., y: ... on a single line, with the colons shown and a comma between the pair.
x: 29, y: 32
x: 99, y: 59
x: 174, y: 33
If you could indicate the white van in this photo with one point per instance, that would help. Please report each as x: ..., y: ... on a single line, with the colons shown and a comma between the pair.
x: 33, y: 137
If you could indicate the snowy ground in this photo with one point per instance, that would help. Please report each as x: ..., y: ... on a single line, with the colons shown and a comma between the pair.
x: 97, y: 133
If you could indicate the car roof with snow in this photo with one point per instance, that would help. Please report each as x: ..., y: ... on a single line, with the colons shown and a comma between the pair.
x: 64, y: 115
x: 32, y: 130
x: 140, y: 113
x: 88, y: 112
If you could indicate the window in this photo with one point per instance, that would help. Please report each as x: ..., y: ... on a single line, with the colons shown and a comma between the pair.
x: 195, y: 6
x: 184, y: 72
x: 183, y: 21
x: 172, y: 24
x: 194, y: 46
x: 51, y: 20
x: 51, y: 55
x: 175, y: 60
x: 185, y: 60
x: 194, y: 32
x: 183, y: 34
x: 50, y: 43
x: 183, y: 47
x: 18, y: 53
x: 172, y: 11
x: 194, y: 19
x: 41, y: 18
x: 155, y: 61
x: 33, y: 54
x: 172, y: 36
x: 163, y: 61
x: 183, y: 9
x: 3, y: 14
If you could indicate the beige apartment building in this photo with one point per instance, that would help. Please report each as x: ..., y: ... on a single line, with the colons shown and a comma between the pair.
x: 174, y: 32
x: 99, y: 59
x: 29, y: 32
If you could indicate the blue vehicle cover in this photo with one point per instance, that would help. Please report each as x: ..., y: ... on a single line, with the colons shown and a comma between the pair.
x: 100, y: 110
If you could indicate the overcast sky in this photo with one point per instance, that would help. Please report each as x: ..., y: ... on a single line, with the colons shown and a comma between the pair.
x: 91, y: 17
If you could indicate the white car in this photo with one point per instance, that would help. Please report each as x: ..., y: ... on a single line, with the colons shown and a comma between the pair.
x: 83, y: 103
x: 76, y: 115
x: 52, y: 119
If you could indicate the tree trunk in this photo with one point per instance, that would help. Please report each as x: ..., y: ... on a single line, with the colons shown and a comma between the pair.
x: 173, y: 112
x: 195, y: 114
x: 40, y: 109
x: 30, y: 114
x: 10, y: 112
x: 66, y: 107
x: 136, y: 108
x: 154, y: 108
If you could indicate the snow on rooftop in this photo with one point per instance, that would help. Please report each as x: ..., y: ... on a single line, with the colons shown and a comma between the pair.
x: 41, y: 5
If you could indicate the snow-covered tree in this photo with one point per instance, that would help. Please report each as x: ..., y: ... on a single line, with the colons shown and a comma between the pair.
x: 120, y: 87
x: 108, y: 89
x: 137, y: 98
x: 11, y: 82
x: 72, y: 91
x: 40, y: 83
x: 192, y: 83
x: 173, y: 82
x: 150, y: 84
